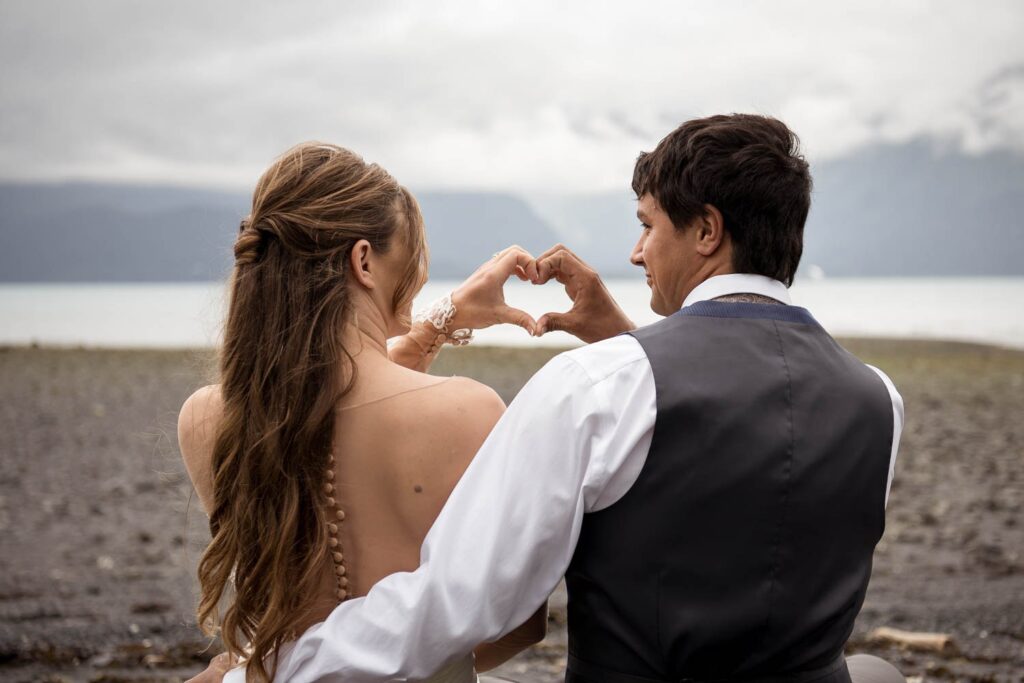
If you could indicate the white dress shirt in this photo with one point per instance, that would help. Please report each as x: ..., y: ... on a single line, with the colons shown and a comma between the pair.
x: 573, y: 441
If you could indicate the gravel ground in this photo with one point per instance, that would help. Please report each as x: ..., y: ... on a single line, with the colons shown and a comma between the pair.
x: 99, y: 535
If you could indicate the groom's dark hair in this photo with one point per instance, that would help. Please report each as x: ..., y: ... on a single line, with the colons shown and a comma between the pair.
x: 750, y: 168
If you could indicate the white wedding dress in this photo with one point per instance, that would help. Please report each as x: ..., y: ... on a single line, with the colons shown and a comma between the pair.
x: 459, y: 671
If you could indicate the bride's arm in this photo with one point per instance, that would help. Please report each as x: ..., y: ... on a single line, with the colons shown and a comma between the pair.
x: 479, y: 302
x: 197, y: 424
x: 418, y: 348
x: 530, y: 632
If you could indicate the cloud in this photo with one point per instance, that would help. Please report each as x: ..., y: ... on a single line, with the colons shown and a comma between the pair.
x: 519, y: 96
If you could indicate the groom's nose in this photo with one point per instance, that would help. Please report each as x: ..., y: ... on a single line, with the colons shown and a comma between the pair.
x: 637, y: 256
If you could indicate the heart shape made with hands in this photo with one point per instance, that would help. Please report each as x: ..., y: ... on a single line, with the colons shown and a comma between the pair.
x: 542, y: 302
x: 593, y: 314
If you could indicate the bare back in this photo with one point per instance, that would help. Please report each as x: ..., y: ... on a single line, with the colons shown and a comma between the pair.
x: 402, y: 440
x: 397, y: 459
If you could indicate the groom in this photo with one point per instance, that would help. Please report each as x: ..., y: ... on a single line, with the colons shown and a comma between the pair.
x: 712, y: 486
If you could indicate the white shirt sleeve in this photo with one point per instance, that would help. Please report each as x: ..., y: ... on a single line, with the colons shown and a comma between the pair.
x: 897, y: 426
x: 574, y: 440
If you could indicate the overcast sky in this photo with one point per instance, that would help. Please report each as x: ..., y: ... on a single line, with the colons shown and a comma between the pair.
x: 520, y: 96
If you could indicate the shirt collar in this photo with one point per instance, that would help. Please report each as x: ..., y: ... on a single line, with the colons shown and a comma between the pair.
x: 738, y: 283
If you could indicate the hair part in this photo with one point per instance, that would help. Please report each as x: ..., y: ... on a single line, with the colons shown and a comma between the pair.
x: 747, y: 166
x: 283, y: 368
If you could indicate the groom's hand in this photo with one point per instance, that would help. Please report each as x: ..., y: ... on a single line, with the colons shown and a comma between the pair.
x: 594, y: 314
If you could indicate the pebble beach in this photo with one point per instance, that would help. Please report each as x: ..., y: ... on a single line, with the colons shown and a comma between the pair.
x: 100, y: 532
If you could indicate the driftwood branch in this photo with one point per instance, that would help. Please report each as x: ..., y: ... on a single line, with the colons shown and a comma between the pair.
x: 913, y: 640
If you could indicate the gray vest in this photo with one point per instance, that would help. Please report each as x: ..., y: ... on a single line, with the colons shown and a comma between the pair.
x: 743, y: 550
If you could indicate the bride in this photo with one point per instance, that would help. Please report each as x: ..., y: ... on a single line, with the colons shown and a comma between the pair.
x: 323, y: 456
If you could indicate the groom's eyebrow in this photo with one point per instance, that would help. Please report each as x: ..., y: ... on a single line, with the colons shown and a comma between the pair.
x: 641, y: 215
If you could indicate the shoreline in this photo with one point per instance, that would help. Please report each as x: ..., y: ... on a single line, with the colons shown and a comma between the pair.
x: 526, y: 346
x: 172, y: 316
x: 100, y: 532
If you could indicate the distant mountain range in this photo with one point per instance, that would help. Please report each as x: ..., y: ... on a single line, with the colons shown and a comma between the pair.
x: 898, y: 210
x: 916, y: 210
x: 894, y: 210
x: 91, y: 232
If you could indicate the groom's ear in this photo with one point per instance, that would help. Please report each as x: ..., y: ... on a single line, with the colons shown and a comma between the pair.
x: 710, y: 231
x: 360, y: 263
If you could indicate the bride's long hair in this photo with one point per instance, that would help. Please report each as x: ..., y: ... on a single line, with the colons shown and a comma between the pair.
x: 282, y: 370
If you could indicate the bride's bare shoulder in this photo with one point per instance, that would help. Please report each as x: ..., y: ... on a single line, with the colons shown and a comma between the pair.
x: 455, y: 414
x: 464, y: 399
x: 446, y: 427
x: 197, y: 429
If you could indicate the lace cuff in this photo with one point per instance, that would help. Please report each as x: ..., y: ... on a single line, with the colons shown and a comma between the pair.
x: 440, y: 315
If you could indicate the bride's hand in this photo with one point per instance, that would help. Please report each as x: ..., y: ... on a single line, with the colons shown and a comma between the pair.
x: 214, y: 673
x: 480, y: 300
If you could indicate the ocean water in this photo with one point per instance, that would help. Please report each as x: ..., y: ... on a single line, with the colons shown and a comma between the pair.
x: 176, y: 315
